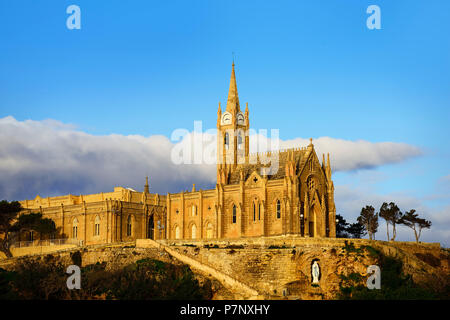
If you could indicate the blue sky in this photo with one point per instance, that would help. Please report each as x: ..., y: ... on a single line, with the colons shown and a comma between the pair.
x: 309, y: 68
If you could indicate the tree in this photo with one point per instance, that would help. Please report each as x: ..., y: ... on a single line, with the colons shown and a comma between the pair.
x: 8, y: 212
x: 369, y: 220
x: 356, y: 230
x: 412, y: 220
x: 11, y: 224
x: 392, y: 214
x: 341, y: 227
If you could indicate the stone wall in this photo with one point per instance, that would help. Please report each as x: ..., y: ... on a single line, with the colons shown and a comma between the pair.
x: 281, y: 266
x: 116, y: 256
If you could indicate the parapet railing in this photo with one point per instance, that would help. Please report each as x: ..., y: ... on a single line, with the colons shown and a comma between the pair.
x: 43, y: 243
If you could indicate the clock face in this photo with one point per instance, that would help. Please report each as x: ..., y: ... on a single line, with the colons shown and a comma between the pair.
x: 226, y: 118
x: 240, y: 118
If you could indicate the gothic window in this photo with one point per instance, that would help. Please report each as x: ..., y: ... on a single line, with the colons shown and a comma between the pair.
x: 278, y: 209
x: 234, y: 214
x: 129, y: 226
x: 75, y: 228
x: 97, y: 226
x: 227, y: 140
x: 254, y: 211
x: 194, y: 231
x: 240, y: 140
x: 311, y: 183
x: 31, y: 235
x: 259, y: 211
x: 194, y: 210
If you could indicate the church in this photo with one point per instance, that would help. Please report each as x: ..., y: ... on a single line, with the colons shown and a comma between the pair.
x: 250, y: 199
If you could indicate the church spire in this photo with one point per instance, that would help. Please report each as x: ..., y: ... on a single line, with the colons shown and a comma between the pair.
x: 233, y: 98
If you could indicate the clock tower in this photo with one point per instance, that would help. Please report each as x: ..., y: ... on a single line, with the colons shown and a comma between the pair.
x: 232, y: 134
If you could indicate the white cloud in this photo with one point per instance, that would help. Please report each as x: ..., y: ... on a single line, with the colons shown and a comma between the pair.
x: 348, y: 155
x: 52, y: 158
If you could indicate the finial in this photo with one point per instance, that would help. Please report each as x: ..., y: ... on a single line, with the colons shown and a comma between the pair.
x: 193, y: 187
x: 310, y: 141
x: 146, y: 187
x: 232, y: 54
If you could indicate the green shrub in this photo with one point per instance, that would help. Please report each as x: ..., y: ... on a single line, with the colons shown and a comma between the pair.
x: 394, y: 284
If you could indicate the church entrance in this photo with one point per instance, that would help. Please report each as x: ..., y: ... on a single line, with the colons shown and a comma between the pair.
x: 150, y: 228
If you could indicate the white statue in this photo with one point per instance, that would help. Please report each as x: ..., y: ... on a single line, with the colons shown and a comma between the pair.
x: 315, y: 272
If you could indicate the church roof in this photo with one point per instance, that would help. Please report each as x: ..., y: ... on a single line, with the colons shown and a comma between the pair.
x: 299, y: 155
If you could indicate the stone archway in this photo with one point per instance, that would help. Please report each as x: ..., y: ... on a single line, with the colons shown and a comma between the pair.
x: 151, y: 227
x: 209, y: 231
x: 314, y: 221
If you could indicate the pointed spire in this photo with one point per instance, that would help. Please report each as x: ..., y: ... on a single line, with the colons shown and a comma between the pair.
x: 233, y: 99
x: 146, y: 188
x: 219, y: 115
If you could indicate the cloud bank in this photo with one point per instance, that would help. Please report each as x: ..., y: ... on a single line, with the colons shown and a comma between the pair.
x: 53, y: 158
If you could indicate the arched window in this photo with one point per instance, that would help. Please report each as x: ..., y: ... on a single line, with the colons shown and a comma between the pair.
x: 234, y: 214
x: 240, y: 140
x: 194, y: 210
x: 259, y: 211
x: 278, y: 209
x: 311, y: 183
x: 254, y: 211
x: 129, y: 226
x: 97, y: 226
x: 227, y: 140
x: 75, y: 228
x: 177, y: 232
x: 194, y: 231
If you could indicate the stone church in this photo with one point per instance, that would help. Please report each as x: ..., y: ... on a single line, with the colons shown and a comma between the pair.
x: 249, y: 200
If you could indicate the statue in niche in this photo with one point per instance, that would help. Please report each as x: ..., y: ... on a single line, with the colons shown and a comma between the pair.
x: 315, y: 271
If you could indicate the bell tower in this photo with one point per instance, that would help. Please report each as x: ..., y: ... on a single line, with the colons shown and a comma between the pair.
x: 232, y: 134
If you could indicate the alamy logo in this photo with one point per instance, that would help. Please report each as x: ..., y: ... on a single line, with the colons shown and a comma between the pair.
x: 374, y: 281
x: 74, y: 20
x: 374, y: 21
x: 73, y: 281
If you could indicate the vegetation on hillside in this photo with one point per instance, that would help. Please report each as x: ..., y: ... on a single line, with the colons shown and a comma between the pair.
x: 395, y: 284
x: 147, y: 279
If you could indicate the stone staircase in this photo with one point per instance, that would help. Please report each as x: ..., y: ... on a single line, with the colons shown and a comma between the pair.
x: 234, y: 289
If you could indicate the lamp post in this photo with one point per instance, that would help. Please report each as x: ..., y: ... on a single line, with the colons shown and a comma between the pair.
x: 302, y: 225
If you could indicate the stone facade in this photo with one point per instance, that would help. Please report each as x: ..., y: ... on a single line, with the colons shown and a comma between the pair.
x: 249, y: 199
